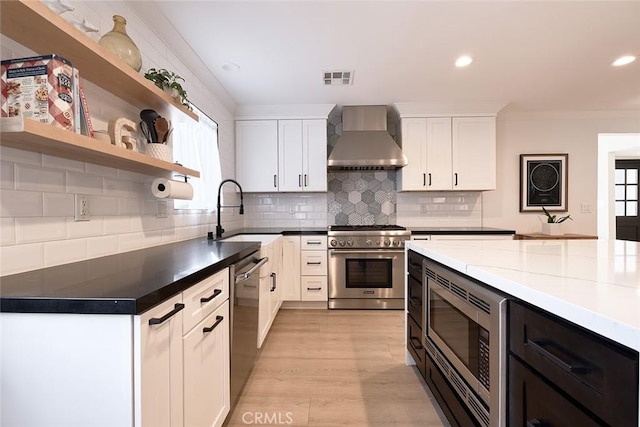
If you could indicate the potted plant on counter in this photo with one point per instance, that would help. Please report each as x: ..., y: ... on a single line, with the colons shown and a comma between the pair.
x: 552, y: 227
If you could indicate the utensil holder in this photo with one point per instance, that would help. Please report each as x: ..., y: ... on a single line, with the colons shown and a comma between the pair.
x: 159, y: 151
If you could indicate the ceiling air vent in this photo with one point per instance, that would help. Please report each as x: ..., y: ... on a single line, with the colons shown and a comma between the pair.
x: 337, y: 78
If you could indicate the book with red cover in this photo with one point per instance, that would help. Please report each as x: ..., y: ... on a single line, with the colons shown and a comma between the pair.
x: 85, y: 117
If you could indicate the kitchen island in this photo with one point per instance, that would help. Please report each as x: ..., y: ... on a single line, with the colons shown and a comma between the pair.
x: 593, y: 285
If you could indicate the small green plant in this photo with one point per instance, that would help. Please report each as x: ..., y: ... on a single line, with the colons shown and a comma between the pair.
x: 168, y: 80
x: 551, y: 219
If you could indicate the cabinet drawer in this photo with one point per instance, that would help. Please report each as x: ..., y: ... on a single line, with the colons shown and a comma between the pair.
x: 534, y: 403
x: 594, y: 372
x: 414, y: 345
x: 314, y: 288
x: 313, y: 263
x: 203, y: 298
x: 313, y: 243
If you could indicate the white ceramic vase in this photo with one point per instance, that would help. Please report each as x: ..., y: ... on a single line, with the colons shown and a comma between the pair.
x: 552, y: 229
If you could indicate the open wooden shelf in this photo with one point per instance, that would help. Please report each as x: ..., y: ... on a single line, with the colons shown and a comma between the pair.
x: 47, y: 139
x: 34, y: 25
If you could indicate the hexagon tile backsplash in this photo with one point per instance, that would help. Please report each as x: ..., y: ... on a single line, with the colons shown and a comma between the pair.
x: 361, y: 198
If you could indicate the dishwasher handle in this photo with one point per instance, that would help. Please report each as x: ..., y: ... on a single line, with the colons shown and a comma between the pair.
x: 242, y: 277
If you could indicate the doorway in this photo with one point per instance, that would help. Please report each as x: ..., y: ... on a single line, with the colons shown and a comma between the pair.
x: 626, y: 200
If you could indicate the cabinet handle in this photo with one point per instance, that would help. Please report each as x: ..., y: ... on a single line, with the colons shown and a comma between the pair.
x: 215, y: 294
x: 299, y: 180
x: 456, y: 175
x: 537, y: 423
x: 314, y: 263
x: 429, y: 179
x: 314, y: 289
x: 314, y: 242
x: 424, y: 179
x: 414, y: 301
x: 539, y: 346
x: 157, y: 321
x: 273, y: 282
x: 212, y: 327
x: 306, y: 180
x: 413, y: 343
x: 275, y: 181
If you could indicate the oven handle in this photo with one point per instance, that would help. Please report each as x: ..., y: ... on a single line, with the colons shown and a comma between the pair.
x: 365, y: 251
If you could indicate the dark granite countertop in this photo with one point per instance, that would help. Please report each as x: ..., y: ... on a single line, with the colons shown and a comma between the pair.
x: 126, y: 283
x: 459, y: 230
x: 290, y: 231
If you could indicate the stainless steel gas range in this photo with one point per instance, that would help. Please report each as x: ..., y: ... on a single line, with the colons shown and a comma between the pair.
x: 366, y: 266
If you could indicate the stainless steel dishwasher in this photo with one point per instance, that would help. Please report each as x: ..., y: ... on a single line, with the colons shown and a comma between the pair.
x: 244, y: 284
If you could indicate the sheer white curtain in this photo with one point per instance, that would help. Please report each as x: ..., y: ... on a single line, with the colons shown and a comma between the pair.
x: 195, y: 145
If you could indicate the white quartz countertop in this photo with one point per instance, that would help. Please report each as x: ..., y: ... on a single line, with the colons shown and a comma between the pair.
x: 593, y: 283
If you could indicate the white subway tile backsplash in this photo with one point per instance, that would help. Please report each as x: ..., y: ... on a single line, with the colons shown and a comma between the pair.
x: 20, y: 203
x: 39, y: 179
x: 43, y: 229
x: 103, y: 206
x: 83, y: 183
x: 102, y: 246
x: 6, y: 175
x: 60, y: 163
x: 19, y: 258
x: 130, y: 241
x: 152, y: 238
x: 93, y: 227
x: 64, y: 251
x: 58, y: 204
x: 117, y: 225
x: 7, y: 231
x: 101, y: 170
x: 9, y: 154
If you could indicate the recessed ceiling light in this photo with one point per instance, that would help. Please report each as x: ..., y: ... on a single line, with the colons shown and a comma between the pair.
x: 623, y: 60
x: 230, y: 67
x: 463, y: 61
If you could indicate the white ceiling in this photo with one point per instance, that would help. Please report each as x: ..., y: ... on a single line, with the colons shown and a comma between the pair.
x: 538, y: 55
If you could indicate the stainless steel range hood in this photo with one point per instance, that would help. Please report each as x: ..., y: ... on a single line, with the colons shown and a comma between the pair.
x: 365, y: 143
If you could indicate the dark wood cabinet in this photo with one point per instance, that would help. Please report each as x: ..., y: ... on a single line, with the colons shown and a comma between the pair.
x: 561, y: 374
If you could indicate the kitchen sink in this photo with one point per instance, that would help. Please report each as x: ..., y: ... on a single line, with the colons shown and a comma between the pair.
x: 264, y: 239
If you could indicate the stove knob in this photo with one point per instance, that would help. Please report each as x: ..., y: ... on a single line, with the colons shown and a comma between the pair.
x: 333, y: 242
x: 396, y: 243
x: 349, y: 242
x: 369, y: 243
x: 341, y: 242
x: 387, y: 242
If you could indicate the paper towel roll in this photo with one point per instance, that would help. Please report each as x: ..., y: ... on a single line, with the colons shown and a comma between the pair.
x: 164, y: 188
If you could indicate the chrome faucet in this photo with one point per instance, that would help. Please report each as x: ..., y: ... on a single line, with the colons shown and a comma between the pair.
x: 219, y: 229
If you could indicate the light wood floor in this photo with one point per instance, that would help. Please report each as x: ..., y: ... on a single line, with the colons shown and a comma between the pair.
x: 335, y: 368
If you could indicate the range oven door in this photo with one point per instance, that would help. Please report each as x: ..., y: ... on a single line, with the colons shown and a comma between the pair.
x: 366, y: 273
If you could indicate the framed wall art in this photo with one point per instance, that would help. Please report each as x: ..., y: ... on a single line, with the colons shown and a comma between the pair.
x: 543, y: 182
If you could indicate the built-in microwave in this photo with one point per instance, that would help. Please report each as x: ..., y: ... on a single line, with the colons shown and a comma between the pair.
x: 465, y: 335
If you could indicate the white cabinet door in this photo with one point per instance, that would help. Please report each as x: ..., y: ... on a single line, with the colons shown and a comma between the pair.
x: 314, y: 161
x: 290, y: 280
x: 474, y: 153
x: 314, y: 288
x: 257, y: 155
x: 206, y: 371
x: 161, y: 364
x: 290, y: 154
x: 275, y: 299
x: 413, y: 176
x: 438, y: 151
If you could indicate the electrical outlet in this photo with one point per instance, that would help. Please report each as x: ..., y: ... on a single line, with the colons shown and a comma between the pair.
x: 161, y: 209
x: 81, y: 207
x: 423, y: 208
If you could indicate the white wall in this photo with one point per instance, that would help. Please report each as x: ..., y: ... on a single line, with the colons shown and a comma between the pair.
x: 575, y: 133
x: 36, y: 191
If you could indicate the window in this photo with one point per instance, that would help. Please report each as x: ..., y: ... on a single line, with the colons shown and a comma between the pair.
x: 195, y: 145
x: 626, y: 192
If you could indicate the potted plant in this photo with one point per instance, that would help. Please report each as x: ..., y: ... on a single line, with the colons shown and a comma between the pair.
x: 552, y: 226
x: 170, y: 83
